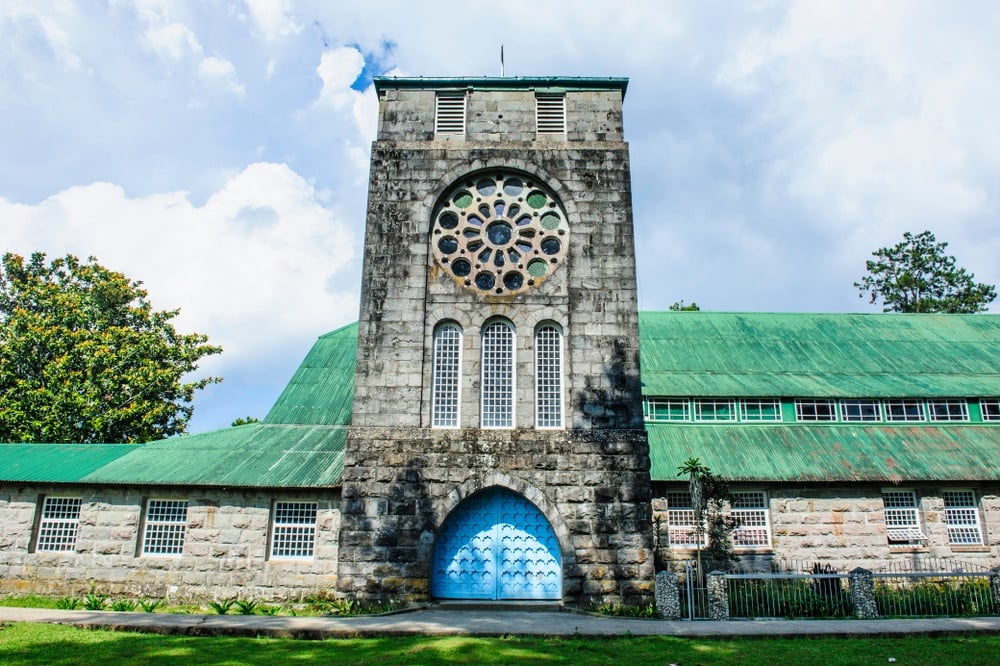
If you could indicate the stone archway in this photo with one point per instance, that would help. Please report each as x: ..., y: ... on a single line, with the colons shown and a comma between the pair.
x: 496, y: 545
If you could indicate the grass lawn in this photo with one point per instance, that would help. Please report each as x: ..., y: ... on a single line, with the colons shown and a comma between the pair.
x: 24, y: 643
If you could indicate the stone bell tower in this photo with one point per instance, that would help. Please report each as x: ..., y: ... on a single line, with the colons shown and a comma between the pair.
x: 497, y: 448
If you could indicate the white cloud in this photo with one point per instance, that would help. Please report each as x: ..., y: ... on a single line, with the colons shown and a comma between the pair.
x: 221, y: 73
x: 173, y: 41
x: 250, y: 268
x: 338, y: 69
x: 273, y: 17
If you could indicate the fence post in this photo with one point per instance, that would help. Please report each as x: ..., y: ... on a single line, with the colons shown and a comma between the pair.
x: 668, y: 600
x: 995, y: 584
x: 718, y: 598
x: 863, y: 593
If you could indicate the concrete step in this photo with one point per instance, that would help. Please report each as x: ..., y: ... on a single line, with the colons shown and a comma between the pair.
x: 483, y: 604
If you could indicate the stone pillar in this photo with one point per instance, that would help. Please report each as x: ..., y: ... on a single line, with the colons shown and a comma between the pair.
x: 994, y: 585
x: 863, y: 593
x: 668, y: 601
x: 718, y: 597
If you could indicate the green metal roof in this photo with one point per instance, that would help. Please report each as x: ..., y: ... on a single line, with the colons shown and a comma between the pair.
x: 819, y: 355
x: 504, y: 83
x: 255, y: 455
x: 321, y: 392
x: 829, y: 452
x: 56, y: 463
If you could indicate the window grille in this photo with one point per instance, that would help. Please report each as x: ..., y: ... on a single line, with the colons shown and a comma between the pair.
x: 294, y: 530
x: 661, y: 409
x: 902, y: 524
x: 498, y: 376
x: 166, y: 521
x: 860, y: 410
x: 903, y: 410
x: 548, y: 378
x: 59, y: 525
x: 681, y: 528
x: 962, y: 518
x: 815, y: 410
x: 550, y: 114
x: 714, y: 410
x: 446, y: 376
x: 991, y: 409
x: 768, y: 409
x: 753, y: 529
x: 449, y: 117
x: 947, y: 410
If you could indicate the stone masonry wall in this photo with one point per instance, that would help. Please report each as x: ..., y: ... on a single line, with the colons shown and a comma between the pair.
x: 845, y: 525
x: 592, y: 487
x: 224, y: 552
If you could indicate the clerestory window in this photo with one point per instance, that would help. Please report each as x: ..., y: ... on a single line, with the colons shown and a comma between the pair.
x: 446, y: 378
x: 497, y: 397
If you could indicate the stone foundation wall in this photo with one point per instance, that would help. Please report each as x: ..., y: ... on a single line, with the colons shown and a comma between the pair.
x: 224, y: 553
x: 400, y: 485
x: 846, y: 525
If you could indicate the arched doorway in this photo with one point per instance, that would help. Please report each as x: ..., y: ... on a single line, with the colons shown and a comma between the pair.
x: 497, y: 545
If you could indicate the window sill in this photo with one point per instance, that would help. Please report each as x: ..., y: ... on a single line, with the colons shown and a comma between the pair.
x: 970, y: 549
x: 905, y: 548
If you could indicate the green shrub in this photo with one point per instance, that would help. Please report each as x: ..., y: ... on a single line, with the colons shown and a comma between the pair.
x: 246, y: 606
x: 222, y: 607
x: 95, y: 602
x: 149, y: 605
x: 68, y: 603
x: 123, y: 605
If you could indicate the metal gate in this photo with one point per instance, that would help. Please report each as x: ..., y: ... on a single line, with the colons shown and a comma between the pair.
x: 497, y: 545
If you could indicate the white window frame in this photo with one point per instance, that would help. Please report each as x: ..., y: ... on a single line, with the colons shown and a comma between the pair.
x: 961, y: 515
x: 947, y: 410
x: 990, y: 409
x: 293, y: 536
x: 498, y: 384
x: 760, y: 405
x: 446, y: 376
x: 550, y: 114
x: 901, y: 411
x: 808, y: 410
x: 714, y: 404
x: 165, y: 527
x: 902, y: 517
x: 651, y: 407
x: 548, y: 377
x: 450, y: 111
x: 860, y: 411
x: 58, y: 525
x: 753, y: 520
x: 681, y: 529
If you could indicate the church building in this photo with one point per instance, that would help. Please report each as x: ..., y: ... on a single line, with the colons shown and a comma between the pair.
x: 502, y: 423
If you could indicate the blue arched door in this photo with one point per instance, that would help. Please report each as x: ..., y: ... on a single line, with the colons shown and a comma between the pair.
x: 497, y: 545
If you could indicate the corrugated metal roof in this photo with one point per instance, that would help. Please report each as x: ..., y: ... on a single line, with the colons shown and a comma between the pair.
x: 57, y: 463
x: 255, y: 455
x: 829, y: 452
x: 321, y: 392
x: 819, y: 355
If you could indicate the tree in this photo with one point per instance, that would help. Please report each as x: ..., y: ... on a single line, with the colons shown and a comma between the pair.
x: 679, y: 306
x: 709, y: 497
x: 85, y: 358
x: 917, y: 276
x: 244, y: 420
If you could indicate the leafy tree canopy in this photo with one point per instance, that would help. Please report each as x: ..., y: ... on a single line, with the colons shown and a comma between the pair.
x: 917, y: 276
x: 680, y: 306
x: 85, y: 358
x: 244, y: 420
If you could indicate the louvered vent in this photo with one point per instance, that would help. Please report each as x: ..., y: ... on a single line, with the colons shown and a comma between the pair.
x: 550, y: 111
x: 450, y: 114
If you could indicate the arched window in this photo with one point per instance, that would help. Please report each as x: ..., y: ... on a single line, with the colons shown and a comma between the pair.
x: 497, y: 408
x: 548, y: 377
x: 446, y: 367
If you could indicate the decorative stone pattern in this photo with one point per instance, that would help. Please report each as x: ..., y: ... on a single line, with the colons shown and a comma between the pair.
x: 718, y: 597
x: 862, y: 584
x: 668, y: 600
x: 591, y: 481
x: 224, y: 555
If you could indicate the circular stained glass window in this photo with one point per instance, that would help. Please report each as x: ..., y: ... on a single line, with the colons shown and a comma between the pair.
x: 499, y: 233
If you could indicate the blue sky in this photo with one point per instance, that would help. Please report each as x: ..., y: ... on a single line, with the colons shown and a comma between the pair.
x: 218, y: 150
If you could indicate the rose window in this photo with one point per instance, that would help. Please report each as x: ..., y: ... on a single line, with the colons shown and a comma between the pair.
x: 499, y: 234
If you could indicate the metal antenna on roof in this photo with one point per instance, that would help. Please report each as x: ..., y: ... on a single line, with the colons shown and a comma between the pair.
x: 501, y: 61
